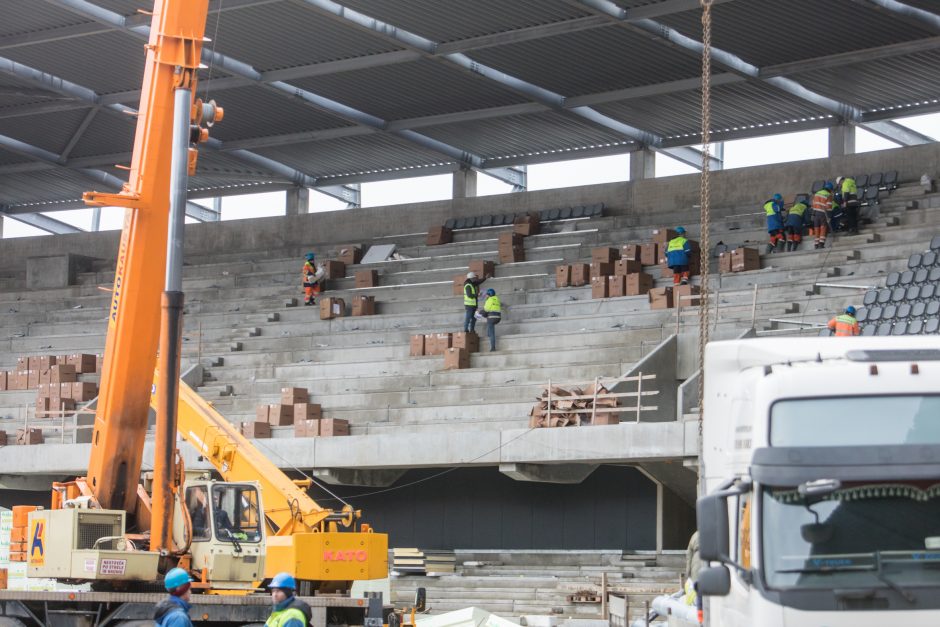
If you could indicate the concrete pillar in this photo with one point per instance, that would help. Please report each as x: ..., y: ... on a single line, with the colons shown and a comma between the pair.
x: 841, y: 140
x: 642, y: 164
x: 1, y: 227
x: 465, y: 183
x: 298, y: 201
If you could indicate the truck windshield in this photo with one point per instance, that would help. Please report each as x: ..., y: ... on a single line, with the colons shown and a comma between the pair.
x: 862, y: 535
x: 235, y: 513
x: 856, y: 421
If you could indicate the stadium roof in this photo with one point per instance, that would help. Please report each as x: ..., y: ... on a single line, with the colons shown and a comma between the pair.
x: 327, y: 94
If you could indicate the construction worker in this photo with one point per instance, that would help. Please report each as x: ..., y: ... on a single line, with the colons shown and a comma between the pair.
x: 822, y: 205
x: 794, y: 225
x: 471, y: 296
x: 174, y: 610
x: 311, y: 275
x: 493, y: 311
x: 289, y: 611
x: 773, y: 209
x: 678, y: 252
x: 850, y: 202
x: 845, y: 325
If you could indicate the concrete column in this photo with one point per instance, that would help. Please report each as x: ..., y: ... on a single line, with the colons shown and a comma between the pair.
x: 298, y: 201
x: 841, y: 140
x: 1, y: 227
x: 642, y: 164
x: 465, y: 183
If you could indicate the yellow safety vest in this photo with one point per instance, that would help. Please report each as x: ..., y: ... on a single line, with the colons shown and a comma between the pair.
x: 849, y: 186
x: 280, y: 618
x: 676, y: 243
x: 492, y: 304
x: 470, y: 294
x: 798, y: 208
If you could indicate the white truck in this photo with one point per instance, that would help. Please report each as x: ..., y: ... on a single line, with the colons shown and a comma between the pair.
x: 821, y: 470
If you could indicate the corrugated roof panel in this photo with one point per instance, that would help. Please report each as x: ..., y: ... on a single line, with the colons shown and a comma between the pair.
x: 49, y: 131
x: 59, y: 184
x: 767, y: 32
x: 284, y: 35
x: 409, y: 90
x: 107, y: 134
x: 450, y: 20
x: 592, y: 61
x: 23, y: 17
x: 9, y: 158
x: 524, y: 135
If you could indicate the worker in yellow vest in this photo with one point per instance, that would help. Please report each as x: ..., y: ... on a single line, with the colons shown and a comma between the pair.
x: 678, y: 256
x: 845, y: 325
x: 289, y: 611
x: 849, y: 190
x: 471, y: 297
x: 773, y: 209
x: 493, y: 310
x: 794, y: 225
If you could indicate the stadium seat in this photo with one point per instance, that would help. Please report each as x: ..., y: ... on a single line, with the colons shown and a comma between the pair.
x: 884, y: 328
x: 486, y: 220
x: 460, y: 223
x: 913, y: 293
x: 920, y: 276
x: 450, y: 223
x: 931, y: 325
x: 871, y: 195
x: 928, y: 259
x: 861, y: 181
x: 898, y: 294
x: 935, y: 242
x: 543, y: 214
x: 907, y: 277
x: 900, y: 328
x: 874, y: 180
x: 802, y: 198
x: 904, y: 311
x: 914, y: 261
x: 870, y: 297
x: 927, y: 291
x: 473, y: 222
x: 817, y: 185
x: 862, y: 314
x: 554, y: 214
x: 884, y: 296
x: 933, y: 308
x: 874, y: 314
x: 565, y: 213
x: 893, y: 278
x: 869, y: 330
x: 914, y: 327
x: 824, y: 332
x: 595, y: 210
x: 890, y: 180
x: 577, y: 212
x: 890, y: 312
x: 934, y: 275
x: 918, y: 309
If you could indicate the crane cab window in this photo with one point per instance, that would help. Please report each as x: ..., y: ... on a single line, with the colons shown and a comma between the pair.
x: 235, y: 513
x: 197, y: 503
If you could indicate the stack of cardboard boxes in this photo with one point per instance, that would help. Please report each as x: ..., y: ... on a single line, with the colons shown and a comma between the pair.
x: 294, y: 409
x: 349, y: 254
x: 31, y: 371
x: 511, y: 249
x: 455, y: 347
x: 363, y: 305
x: 332, y: 307
x: 438, y: 235
x: 739, y: 260
x: 526, y: 225
x: 568, y: 405
x: 483, y: 270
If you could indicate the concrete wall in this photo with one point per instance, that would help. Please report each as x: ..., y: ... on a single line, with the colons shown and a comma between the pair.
x: 646, y: 200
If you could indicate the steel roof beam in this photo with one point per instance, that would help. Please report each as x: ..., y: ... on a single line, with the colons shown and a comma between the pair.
x: 350, y: 194
x: 911, y: 14
x: 44, y: 223
x: 79, y: 132
x: 849, y: 58
x: 898, y: 133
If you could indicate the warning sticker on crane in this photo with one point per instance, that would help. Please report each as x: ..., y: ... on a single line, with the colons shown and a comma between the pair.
x: 37, y: 543
x: 113, y: 567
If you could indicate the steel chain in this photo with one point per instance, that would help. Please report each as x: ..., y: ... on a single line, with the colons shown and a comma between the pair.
x: 705, y: 252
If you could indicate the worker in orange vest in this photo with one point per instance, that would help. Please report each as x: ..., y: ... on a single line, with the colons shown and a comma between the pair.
x: 311, y: 276
x: 845, y: 325
x: 822, y: 206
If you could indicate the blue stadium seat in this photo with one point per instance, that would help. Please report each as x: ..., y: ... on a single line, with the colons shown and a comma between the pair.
x: 543, y: 214
x: 890, y: 312
x: 934, y: 275
x: 869, y: 329
x: 914, y: 327
x: 907, y: 277
x: 884, y: 296
x: 871, y: 195
x: 893, y: 279
x: 914, y: 261
x: 933, y: 308
x: 935, y: 242
x: 904, y: 311
x: 931, y: 325
x: 913, y: 293
x: 870, y: 297
x: 927, y: 291
x: 884, y: 328
x: 890, y: 180
x: 486, y: 220
x: 921, y: 275
x: 918, y: 309
x: 900, y: 328
x: 554, y: 214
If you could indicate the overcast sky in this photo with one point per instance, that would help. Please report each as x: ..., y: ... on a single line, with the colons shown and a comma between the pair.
x: 738, y: 154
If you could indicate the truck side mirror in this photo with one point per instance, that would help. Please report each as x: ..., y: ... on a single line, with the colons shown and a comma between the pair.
x: 712, y: 513
x: 714, y: 581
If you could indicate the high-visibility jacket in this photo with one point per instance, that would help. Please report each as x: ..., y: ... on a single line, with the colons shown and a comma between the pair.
x: 772, y: 210
x: 822, y: 201
x: 678, y: 251
x: 311, y: 274
x: 849, y: 186
x: 471, y: 293
x: 288, y: 613
x: 493, y: 308
x: 795, y: 214
x: 844, y: 326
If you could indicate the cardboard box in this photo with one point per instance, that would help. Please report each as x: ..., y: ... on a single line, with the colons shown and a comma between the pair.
x: 483, y: 269
x: 3, y: 442
x: 744, y: 259
x: 562, y: 276
x: 280, y: 415
x: 363, y: 305
x: 681, y: 291
x: 649, y: 254
x: 724, y: 262
x: 526, y: 225
x: 580, y: 274
x: 262, y: 413
x: 661, y: 298
x: 33, y: 362
x: 467, y: 341
x: 601, y: 269
x: 62, y: 374
x: 616, y: 286
x: 289, y: 396
x: 42, y: 406
x: 3, y: 380
x: 330, y: 427
x: 332, y: 307
x: 514, y: 255
x: 256, y: 430
x: 307, y: 411
x: 662, y: 236
x: 45, y: 361
x: 20, y: 381
x: 22, y: 364
x: 630, y: 252
x: 84, y: 363
x: 606, y: 418
x: 604, y: 255
x: 510, y: 240
x: 58, y: 405
x: 350, y: 254
x: 367, y: 278
x: 32, y: 379
x: 334, y: 269
x: 429, y: 344
x: 456, y: 359
x: 438, y: 235
x: 458, y: 284
x: 43, y: 377
x: 80, y: 391
x: 623, y: 267
x: 440, y: 343
x: 598, y: 286
x: 638, y: 284
x: 29, y: 436
x: 417, y: 346
x: 306, y: 428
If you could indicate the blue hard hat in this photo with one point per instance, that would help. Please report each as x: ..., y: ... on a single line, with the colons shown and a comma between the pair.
x: 680, y: 230
x: 491, y: 292
x: 283, y: 580
x: 850, y: 310
x: 828, y: 185
x: 175, y: 578
x: 310, y: 256
x: 778, y: 197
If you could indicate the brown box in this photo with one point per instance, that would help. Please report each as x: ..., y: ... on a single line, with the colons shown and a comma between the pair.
x: 46, y: 360
x: 606, y: 418
x: 58, y: 405
x: 458, y: 284
x: 22, y: 364
x: 43, y: 376
x: 513, y: 255
x: 686, y: 290
x: 417, y: 346
x: 438, y: 235
x: 332, y: 307
x: 256, y: 430
x: 562, y: 276
x: 744, y: 259
x: 3, y: 442
x: 33, y: 362
x: 724, y: 262
x: 43, y: 404
x: 638, y: 283
x: 456, y: 359
x: 99, y: 360
x: 280, y: 415
x: 483, y: 269
x: 62, y: 374
x: 45, y: 389
x: 661, y: 298
x: 32, y: 379
x: 630, y: 252
x: 526, y: 225
x: 83, y: 362
x: 695, y: 268
x: 28, y: 436
x: 350, y: 254
x: 616, y: 286
x: 580, y: 274
x: 307, y: 411
x: 262, y: 413
x: 624, y: 267
x: 604, y: 255
x: 334, y: 269
x: 367, y: 278
x: 429, y: 344
x: 330, y: 427
x: 601, y: 269
x: 363, y: 305
x: 20, y: 381
x: 289, y: 396
x: 467, y: 341
x: 440, y: 342
x: 662, y: 236
x: 649, y: 254
x: 306, y: 428
x: 3, y: 380
x: 598, y: 286
x: 510, y: 240
x: 80, y: 391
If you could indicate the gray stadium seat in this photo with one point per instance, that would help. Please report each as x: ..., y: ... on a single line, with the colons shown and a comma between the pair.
x: 928, y: 259
x: 862, y: 314
x: 931, y: 325
x: 486, y: 220
x: 460, y: 223
x: 871, y: 195
x: 921, y: 275
x: 935, y: 242
x: 565, y: 213
x: 554, y: 214
x: 870, y: 297
x: 861, y: 180
x: 918, y: 309
x: 904, y: 311
x: 817, y: 185
x: 934, y: 275
x: 890, y: 312
x: 927, y: 291
x: 874, y: 314
x: 890, y: 180
x: 914, y: 327
x: 802, y: 198
x: 893, y: 278
x: 595, y: 210
x: 900, y: 328
x: 577, y: 212
x: 450, y: 223
x: 824, y: 332
x: 913, y: 293
x: 884, y: 296
x: 473, y: 222
x: 875, y: 179
x: 869, y: 330
x: 914, y: 260
x: 898, y: 294
x: 884, y: 328
x: 933, y: 308
x: 543, y: 214
x: 907, y: 277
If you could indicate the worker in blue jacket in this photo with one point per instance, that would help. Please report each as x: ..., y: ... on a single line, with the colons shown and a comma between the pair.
x: 772, y: 209
x: 678, y: 253
x: 174, y: 610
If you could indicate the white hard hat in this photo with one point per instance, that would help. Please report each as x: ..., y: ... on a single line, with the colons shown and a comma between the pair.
x: 471, y: 275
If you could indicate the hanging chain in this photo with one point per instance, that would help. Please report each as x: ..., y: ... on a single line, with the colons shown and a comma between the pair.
x: 705, y: 251
x: 215, y: 39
